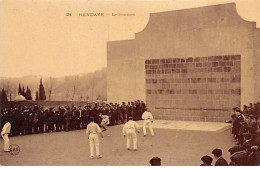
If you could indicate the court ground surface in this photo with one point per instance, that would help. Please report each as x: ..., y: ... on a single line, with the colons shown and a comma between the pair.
x: 175, y: 142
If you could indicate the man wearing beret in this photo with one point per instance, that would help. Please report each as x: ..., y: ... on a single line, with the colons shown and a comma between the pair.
x: 207, y: 160
x: 238, y: 156
x: 155, y: 161
x: 253, y: 157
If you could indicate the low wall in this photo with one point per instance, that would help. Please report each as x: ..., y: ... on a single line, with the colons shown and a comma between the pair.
x: 47, y: 103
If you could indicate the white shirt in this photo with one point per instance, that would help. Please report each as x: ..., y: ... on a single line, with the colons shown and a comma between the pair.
x: 93, y: 128
x: 105, y: 118
x: 130, y: 125
x: 147, y: 115
x: 6, y: 129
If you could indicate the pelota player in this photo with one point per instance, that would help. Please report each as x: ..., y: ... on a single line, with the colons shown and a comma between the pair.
x: 92, y: 131
x: 105, y: 121
x: 129, y: 130
x: 148, y: 120
x: 5, y: 131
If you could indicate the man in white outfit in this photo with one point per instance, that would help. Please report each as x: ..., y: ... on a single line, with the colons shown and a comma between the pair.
x: 5, y: 131
x: 105, y: 121
x: 92, y: 131
x: 129, y: 130
x: 148, y: 120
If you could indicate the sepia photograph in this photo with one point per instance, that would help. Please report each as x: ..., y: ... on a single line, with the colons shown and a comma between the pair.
x: 130, y: 83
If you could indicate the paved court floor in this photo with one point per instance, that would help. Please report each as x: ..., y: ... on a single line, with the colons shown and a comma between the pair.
x: 176, y: 143
x: 189, y: 125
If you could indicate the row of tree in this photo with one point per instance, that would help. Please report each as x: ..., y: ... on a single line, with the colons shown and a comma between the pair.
x: 27, y: 94
x: 41, y: 94
x: 83, y: 87
x: 88, y: 87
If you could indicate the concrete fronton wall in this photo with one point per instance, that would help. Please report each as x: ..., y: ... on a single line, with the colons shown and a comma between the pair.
x: 194, y: 88
x: 123, y: 77
x: 206, y: 32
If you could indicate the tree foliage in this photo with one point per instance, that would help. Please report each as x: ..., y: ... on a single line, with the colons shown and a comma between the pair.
x: 37, y: 96
x: 3, y: 98
x: 42, y: 95
x: 20, y: 92
x: 28, y: 94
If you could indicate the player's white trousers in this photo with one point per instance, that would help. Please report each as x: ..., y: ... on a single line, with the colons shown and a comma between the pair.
x: 131, y: 135
x: 103, y: 123
x: 94, y: 144
x: 6, y: 142
x: 149, y: 124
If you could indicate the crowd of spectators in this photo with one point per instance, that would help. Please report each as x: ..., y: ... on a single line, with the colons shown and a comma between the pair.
x: 246, y: 137
x: 36, y: 119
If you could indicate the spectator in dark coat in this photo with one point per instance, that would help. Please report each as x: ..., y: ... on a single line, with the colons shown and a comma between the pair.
x: 236, y: 125
x: 238, y: 156
x: 220, y: 161
x: 253, y: 157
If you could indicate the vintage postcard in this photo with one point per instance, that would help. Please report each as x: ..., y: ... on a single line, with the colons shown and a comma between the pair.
x: 130, y: 83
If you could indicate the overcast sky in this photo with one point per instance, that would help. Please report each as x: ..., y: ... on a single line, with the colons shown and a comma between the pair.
x: 37, y: 38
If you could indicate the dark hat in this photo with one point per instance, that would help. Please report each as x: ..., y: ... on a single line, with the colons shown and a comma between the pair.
x: 217, y: 152
x: 155, y: 161
x: 235, y: 149
x: 207, y: 159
